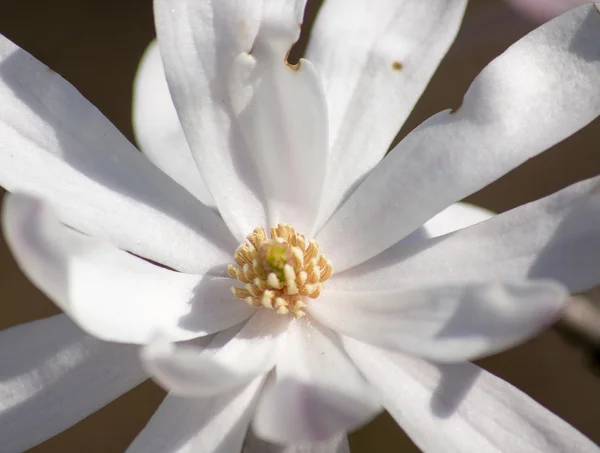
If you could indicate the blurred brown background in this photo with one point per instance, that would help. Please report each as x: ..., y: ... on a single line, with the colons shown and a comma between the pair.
x: 96, y: 46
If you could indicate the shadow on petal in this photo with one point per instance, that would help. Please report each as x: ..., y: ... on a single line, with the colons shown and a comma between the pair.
x: 213, y: 307
x: 571, y: 255
x: 455, y: 384
x: 580, y: 44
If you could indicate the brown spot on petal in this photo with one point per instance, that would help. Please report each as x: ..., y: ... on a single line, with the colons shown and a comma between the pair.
x: 293, y: 67
x: 397, y: 66
x: 457, y: 108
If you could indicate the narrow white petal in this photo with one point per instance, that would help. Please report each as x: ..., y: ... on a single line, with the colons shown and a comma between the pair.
x: 231, y: 360
x: 110, y: 293
x: 57, y: 145
x: 337, y: 444
x: 557, y: 237
x: 200, y: 43
x: 283, y: 116
x: 54, y: 375
x: 541, y: 90
x: 375, y: 59
x: 463, y: 408
x: 447, y: 323
x: 316, y: 393
x: 455, y: 217
x: 199, y: 425
x: 157, y: 127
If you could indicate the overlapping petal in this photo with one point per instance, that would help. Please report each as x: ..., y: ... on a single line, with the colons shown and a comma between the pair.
x: 219, y: 58
x: 190, y: 425
x: 198, y: 42
x: 110, y: 293
x: 556, y: 237
x: 53, y: 375
x: 157, y: 127
x: 231, y: 360
x: 282, y: 114
x: 446, y: 323
x: 540, y: 91
x: 58, y: 145
x: 462, y: 408
x: 455, y: 217
x: 375, y: 59
x: 316, y: 391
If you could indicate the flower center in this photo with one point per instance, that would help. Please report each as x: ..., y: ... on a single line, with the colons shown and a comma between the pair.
x: 278, y: 273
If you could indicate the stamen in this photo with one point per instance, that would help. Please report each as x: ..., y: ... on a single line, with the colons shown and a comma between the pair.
x: 241, y: 293
x: 273, y: 281
x: 311, y: 251
x: 280, y: 302
x: 258, y: 270
x: 277, y: 273
x: 257, y: 237
x: 267, y: 299
x: 302, y: 276
x: 260, y: 283
x: 298, y: 258
x: 290, y: 279
x: 253, y: 301
x: 232, y: 271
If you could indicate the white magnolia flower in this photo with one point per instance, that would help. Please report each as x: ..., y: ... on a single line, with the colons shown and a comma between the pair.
x: 283, y: 145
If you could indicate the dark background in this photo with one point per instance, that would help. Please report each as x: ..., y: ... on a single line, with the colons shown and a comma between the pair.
x: 96, y: 45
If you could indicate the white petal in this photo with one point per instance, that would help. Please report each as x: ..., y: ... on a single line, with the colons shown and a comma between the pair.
x: 56, y: 144
x: 234, y: 358
x: 157, y: 127
x: 110, y: 293
x: 557, y: 237
x: 447, y: 323
x: 463, y: 408
x: 375, y: 59
x: 199, y: 425
x: 316, y: 393
x: 283, y: 117
x: 53, y: 375
x: 199, y: 44
x: 454, y: 217
x: 337, y: 444
x: 541, y: 90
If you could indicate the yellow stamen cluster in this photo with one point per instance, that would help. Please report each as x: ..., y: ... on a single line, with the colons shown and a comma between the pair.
x: 279, y: 272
